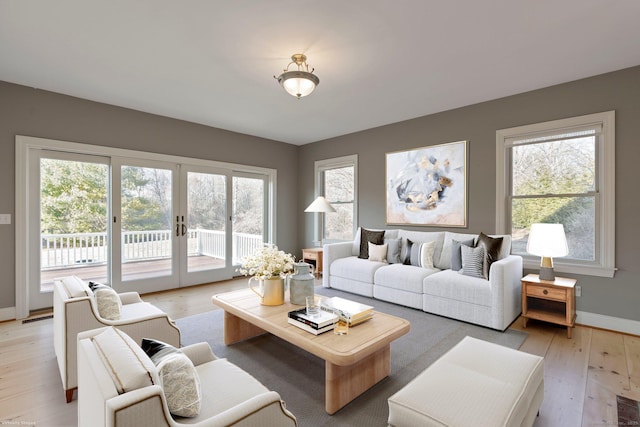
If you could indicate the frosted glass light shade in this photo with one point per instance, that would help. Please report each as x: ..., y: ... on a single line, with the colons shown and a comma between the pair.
x: 298, y: 83
x: 547, y: 240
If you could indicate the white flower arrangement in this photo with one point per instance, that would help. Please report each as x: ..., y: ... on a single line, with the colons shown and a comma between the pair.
x: 267, y: 263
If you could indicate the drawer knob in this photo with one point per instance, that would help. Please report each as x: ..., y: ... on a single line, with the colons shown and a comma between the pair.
x: 545, y: 292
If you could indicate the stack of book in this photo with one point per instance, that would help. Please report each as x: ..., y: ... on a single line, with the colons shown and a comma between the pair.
x: 317, y: 324
x: 353, y: 311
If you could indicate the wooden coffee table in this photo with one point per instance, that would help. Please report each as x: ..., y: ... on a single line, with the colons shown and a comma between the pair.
x: 353, y: 362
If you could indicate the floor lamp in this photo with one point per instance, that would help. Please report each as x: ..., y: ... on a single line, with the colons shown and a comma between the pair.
x: 321, y: 206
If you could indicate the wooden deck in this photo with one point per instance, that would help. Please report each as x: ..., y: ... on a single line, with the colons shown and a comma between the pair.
x: 130, y: 270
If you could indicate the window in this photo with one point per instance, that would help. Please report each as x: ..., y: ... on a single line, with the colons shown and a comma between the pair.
x: 561, y: 172
x: 336, y: 181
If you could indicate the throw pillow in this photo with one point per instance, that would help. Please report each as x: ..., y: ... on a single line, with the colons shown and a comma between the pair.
x: 456, y: 253
x: 407, y: 244
x: 108, y: 302
x: 178, y: 377
x: 377, y: 252
x: 492, y: 248
x: 75, y: 287
x: 473, y: 261
x: 375, y: 237
x: 422, y: 254
x: 394, y: 249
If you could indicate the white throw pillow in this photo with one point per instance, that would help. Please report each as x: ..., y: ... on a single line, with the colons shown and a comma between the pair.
x: 377, y: 252
x: 108, y: 302
x: 178, y: 377
x: 75, y: 287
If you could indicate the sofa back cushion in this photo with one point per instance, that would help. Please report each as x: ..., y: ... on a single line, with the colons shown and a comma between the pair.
x: 130, y: 368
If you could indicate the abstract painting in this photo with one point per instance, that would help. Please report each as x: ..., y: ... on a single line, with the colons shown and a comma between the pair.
x: 428, y: 186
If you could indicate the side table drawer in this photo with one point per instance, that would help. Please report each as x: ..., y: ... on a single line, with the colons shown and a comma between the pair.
x: 547, y: 293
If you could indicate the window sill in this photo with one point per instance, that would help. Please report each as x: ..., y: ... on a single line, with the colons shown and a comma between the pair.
x: 585, y: 270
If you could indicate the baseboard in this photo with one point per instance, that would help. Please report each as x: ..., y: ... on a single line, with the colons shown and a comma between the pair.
x: 8, y: 313
x: 601, y: 321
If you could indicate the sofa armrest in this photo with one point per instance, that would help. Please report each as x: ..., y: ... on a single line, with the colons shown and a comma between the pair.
x: 130, y: 297
x: 330, y: 253
x: 266, y: 409
x: 199, y: 353
x: 137, y: 407
x: 506, y: 289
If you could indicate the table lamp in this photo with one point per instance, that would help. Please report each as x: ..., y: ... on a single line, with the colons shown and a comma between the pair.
x: 321, y: 206
x: 547, y: 241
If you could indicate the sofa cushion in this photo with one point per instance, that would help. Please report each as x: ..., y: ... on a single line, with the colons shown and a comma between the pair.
x: 130, y: 368
x: 473, y: 261
x: 223, y: 386
x: 394, y: 250
x: 452, y: 285
x: 178, y: 377
x: 355, y: 268
x: 76, y: 287
x: 375, y: 237
x: 138, y: 310
x: 456, y: 253
x: 404, y: 277
x: 377, y: 252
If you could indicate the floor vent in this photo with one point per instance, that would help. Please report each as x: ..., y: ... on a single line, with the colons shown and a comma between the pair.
x: 628, y: 411
x: 35, y: 319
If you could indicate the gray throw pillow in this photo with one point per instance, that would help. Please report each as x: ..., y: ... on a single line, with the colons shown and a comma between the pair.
x: 456, y: 253
x: 473, y: 261
x: 394, y: 249
x: 366, y: 236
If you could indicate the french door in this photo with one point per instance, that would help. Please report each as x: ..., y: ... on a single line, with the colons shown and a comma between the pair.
x: 138, y: 224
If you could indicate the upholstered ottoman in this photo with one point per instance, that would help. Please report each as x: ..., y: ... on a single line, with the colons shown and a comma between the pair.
x: 476, y: 383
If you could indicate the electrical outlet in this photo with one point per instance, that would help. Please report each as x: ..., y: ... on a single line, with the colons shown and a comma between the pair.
x: 578, y: 290
x: 5, y: 218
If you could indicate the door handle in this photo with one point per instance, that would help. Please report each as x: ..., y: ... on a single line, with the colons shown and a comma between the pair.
x: 177, y: 230
x: 184, y: 229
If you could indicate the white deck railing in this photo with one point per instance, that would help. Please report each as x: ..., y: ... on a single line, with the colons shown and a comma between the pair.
x: 66, y: 250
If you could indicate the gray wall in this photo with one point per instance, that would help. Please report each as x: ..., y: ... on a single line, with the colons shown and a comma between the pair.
x: 26, y: 111
x: 619, y: 91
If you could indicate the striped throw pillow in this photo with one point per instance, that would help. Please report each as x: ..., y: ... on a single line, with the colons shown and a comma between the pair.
x: 473, y: 261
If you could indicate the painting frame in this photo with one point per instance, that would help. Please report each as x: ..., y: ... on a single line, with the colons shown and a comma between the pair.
x: 427, y: 186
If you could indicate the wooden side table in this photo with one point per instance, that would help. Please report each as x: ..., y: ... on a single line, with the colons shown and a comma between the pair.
x: 315, y: 255
x: 549, y: 301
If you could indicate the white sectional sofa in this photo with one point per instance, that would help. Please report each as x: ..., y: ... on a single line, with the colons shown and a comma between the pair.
x: 494, y: 301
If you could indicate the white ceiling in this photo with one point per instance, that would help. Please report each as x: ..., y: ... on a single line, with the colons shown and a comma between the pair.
x: 379, y: 61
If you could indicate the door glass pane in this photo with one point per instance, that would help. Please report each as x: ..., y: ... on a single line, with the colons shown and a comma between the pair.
x: 146, y: 200
x: 206, y: 220
x: 73, y: 221
x: 248, y: 216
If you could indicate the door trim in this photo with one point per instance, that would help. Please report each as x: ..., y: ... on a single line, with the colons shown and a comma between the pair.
x: 25, y: 145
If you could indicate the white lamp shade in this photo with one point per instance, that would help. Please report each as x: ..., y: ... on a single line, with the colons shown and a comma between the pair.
x: 320, y: 204
x: 547, y: 240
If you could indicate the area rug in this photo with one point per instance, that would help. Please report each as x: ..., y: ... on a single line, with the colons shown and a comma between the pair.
x: 299, y: 376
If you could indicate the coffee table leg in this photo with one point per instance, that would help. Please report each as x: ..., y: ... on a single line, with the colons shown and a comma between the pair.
x: 237, y: 329
x: 345, y: 383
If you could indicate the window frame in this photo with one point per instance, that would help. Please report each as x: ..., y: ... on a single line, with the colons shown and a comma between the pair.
x: 604, y: 263
x: 320, y: 167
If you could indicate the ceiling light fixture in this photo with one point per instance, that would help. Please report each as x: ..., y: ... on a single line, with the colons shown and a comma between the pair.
x: 300, y: 82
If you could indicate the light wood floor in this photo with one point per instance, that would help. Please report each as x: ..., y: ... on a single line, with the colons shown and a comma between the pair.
x: 582, y: 374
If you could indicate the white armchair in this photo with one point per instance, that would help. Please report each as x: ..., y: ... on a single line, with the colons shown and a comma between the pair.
x: 229, y: 395
x: 75, y: 310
